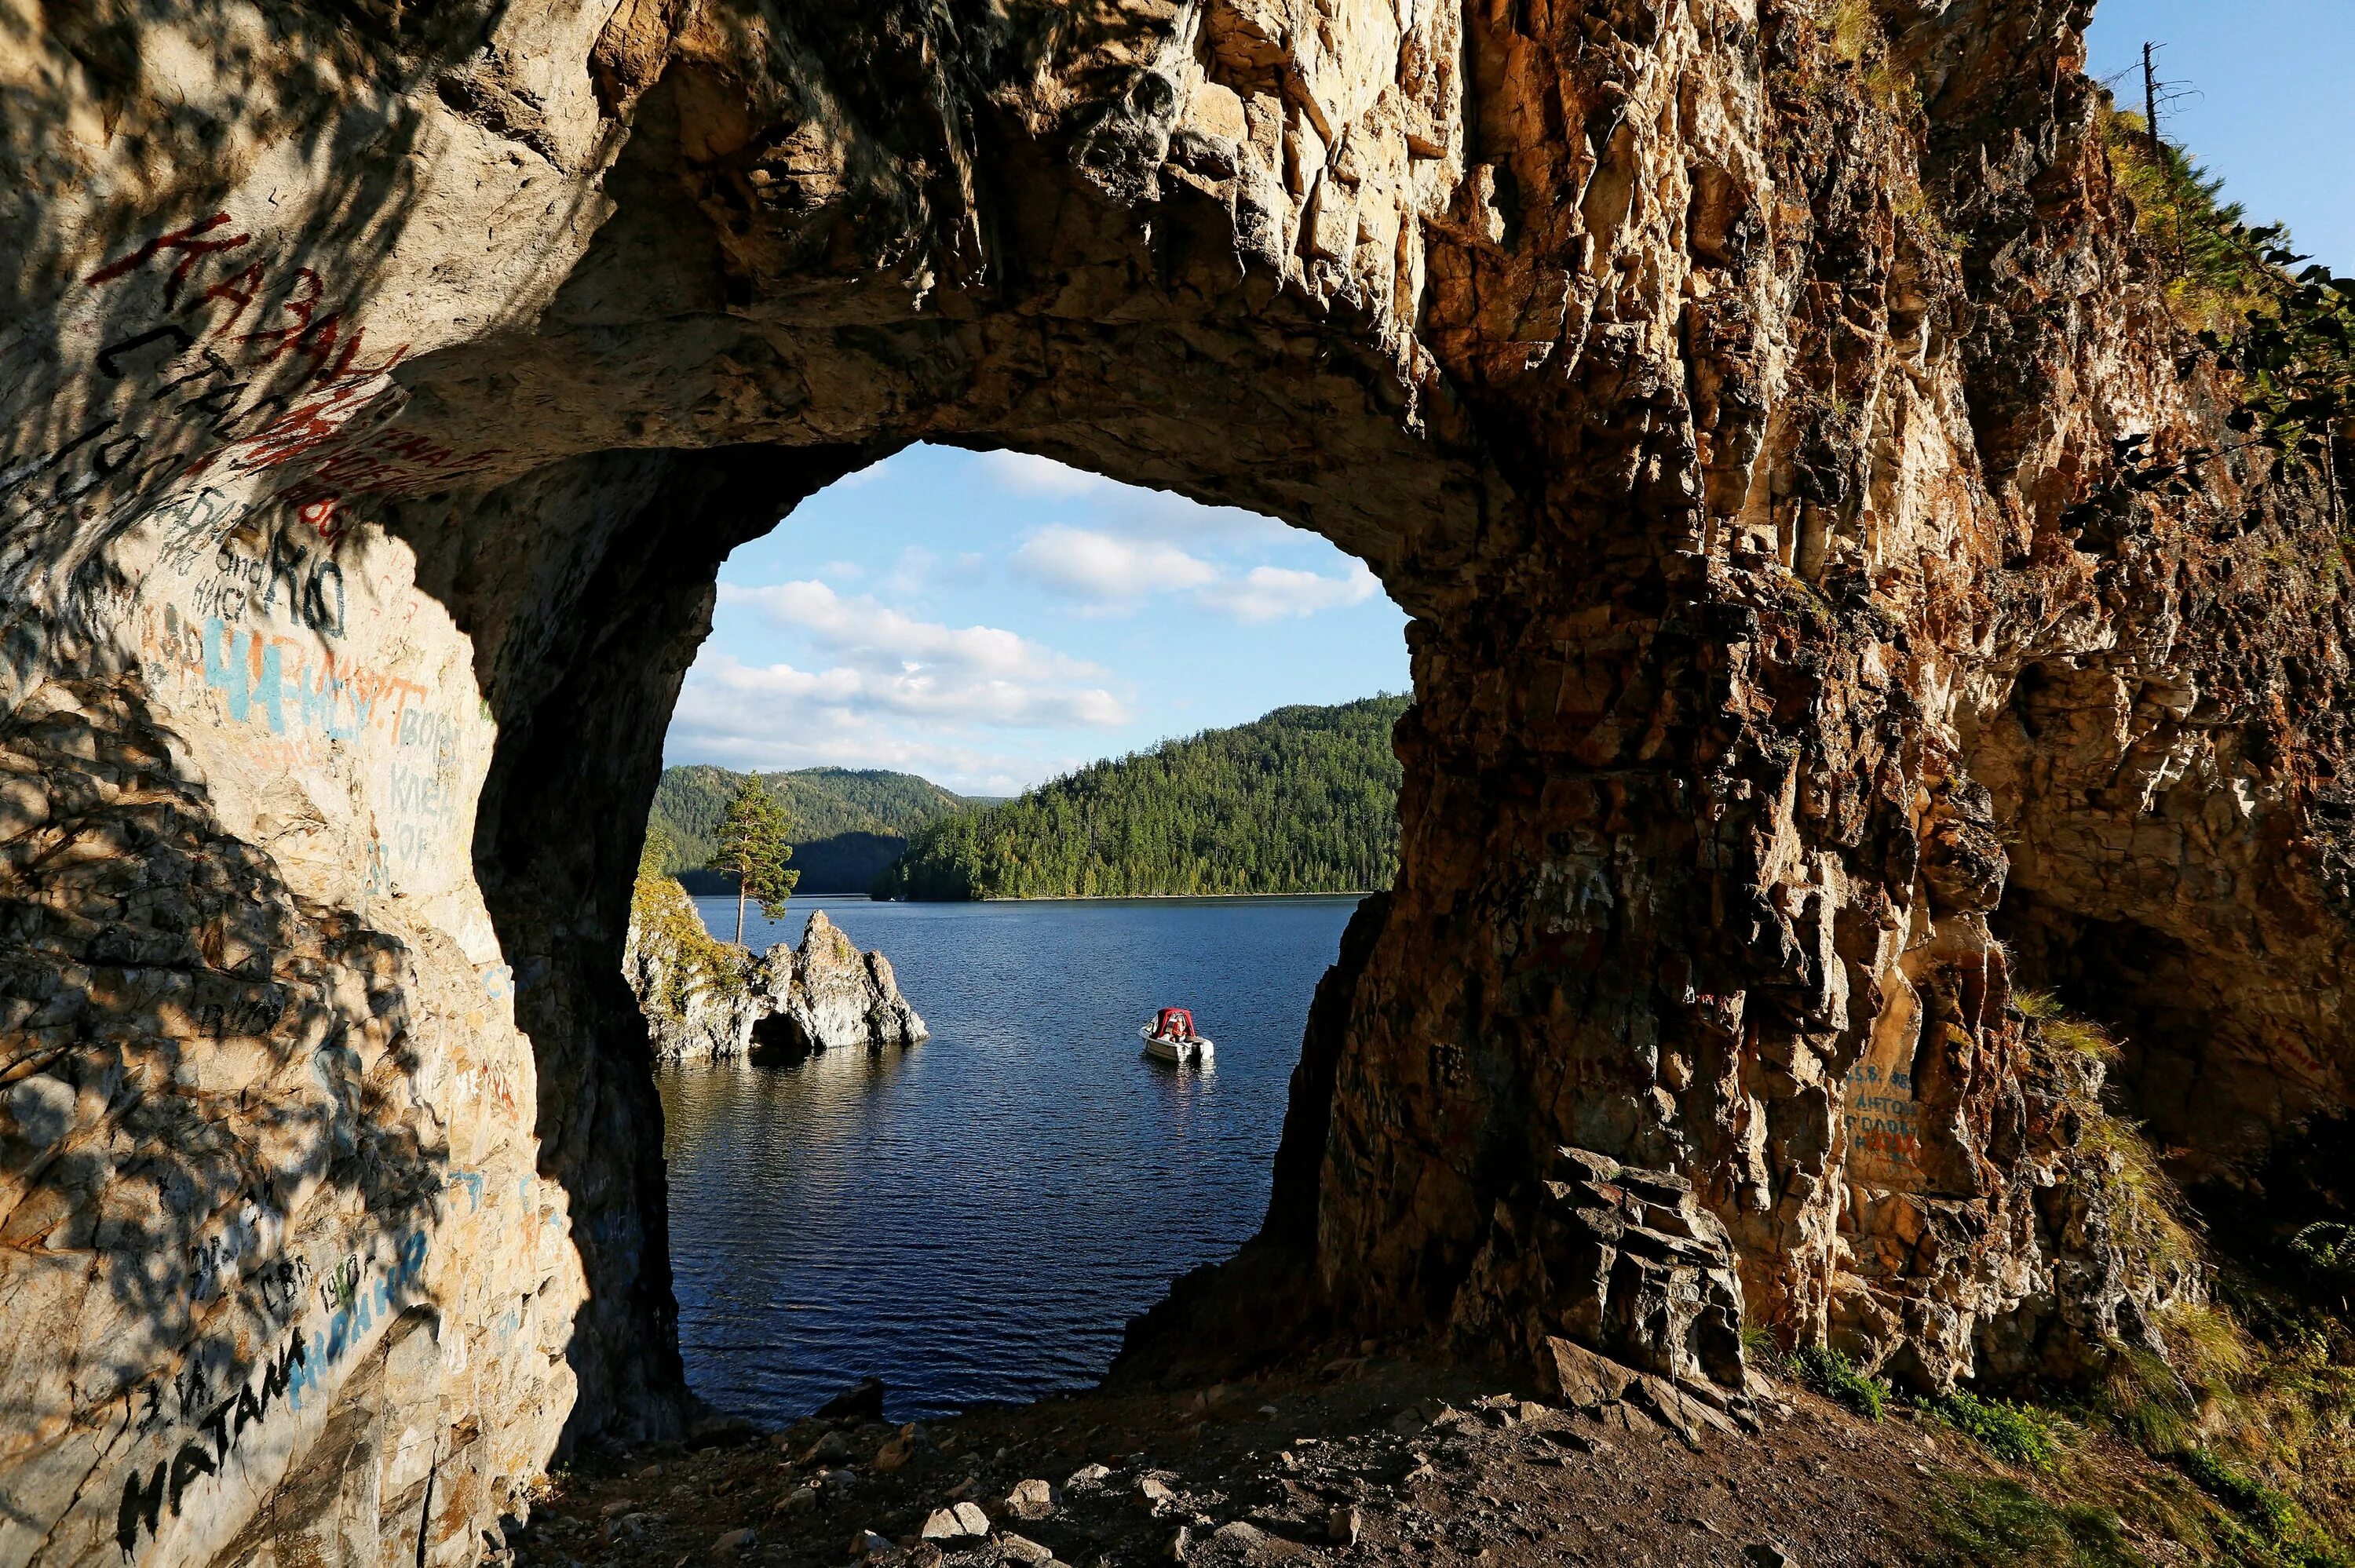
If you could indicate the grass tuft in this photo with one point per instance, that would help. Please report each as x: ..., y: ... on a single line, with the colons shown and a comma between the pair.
x: 2001, y: 1521
x: 1840, y: 1380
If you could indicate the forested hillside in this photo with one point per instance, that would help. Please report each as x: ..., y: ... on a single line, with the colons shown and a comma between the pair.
x: 847, y: 824
x: 1303, y: 801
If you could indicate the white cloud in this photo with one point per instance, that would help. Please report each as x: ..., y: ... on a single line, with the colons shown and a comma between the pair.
x: 779, y: 717
x: 1138, y: 511
x: 1112, y: 575
x: 723, y: 687
x: 894, y: 692
x: 1034, y: 475
x: 875, y: 638
x: 1165, y: 515
x: 1277, y: 593
x: 1108, y: 572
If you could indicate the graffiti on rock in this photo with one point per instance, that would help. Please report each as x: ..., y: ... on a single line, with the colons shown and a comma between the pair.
x: 1880, y: 1114
x: 219, y: 1433
x: 250, y: 366
x: 354, y: 1306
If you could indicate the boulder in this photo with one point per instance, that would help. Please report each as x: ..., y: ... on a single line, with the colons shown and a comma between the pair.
x: 862, y: 1400
x: 1031, y: 1499
x: 955, y: 1522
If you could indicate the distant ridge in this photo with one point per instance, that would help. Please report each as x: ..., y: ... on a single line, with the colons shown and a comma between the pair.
x: 1304, y: 800
x: 849, y: 823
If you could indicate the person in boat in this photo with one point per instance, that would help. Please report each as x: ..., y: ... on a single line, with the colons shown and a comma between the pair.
x: 1176, y: 1024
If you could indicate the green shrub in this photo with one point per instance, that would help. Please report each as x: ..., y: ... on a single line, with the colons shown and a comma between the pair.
x: 666, y: 918
x: 2327, y: 1248
x: 2016, y: 1433
x: 1840, y: 1380
x: 2212, y: 274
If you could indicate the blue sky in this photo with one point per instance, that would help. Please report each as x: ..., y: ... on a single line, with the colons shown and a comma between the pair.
x: 2273, y: 113
x: 989, y: 619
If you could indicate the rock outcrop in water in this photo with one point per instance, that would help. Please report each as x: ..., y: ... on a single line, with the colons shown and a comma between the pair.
x: 710, y: 1001
x: 1709, y: 382
x: 826, y: 995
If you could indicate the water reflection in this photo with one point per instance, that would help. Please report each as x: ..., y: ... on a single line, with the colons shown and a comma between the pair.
x: 976, y: 1217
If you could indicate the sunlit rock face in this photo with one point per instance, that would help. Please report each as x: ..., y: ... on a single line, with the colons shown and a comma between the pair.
x: 386, y: 383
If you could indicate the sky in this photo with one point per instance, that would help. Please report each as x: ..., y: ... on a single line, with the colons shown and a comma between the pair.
x: 2267, y: 102
x: 990, y: 619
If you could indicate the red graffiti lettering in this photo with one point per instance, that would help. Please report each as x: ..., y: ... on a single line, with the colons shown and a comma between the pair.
x: 298, y: 305
x: 191, y: 251
x: 239, y: 291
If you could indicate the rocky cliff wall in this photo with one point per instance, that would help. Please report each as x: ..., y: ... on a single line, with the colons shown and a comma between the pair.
x: 1709, y: 379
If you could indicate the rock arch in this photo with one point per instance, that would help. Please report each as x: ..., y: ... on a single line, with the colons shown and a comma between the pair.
x: 390, y: 382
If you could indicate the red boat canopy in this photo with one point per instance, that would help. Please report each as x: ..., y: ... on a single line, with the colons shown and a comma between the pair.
x: 1174, y: 1023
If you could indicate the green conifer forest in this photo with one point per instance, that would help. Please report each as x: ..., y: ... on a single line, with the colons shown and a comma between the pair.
x: 1301, y: 800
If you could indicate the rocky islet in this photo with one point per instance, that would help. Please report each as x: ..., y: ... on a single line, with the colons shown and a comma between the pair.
x: 710, y: 1001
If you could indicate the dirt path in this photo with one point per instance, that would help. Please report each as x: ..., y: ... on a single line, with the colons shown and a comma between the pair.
x: 1362, y: 1462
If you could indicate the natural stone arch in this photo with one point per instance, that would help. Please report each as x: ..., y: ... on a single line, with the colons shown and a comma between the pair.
x: 389, y: 403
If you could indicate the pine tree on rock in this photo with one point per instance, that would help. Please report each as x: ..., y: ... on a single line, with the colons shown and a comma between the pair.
x: 752, y: 843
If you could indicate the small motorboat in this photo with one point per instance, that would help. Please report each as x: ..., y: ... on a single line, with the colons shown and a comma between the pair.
x: 1170, y: 1038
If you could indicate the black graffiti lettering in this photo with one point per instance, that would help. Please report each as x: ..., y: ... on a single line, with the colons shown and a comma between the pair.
x: 285, y: 566
x: 141, y: 1502
x: 103, y: 466
x: 276, y: 1377
x: 12, y: 477
x: 214, y: 365
x: 218, y: 1424
x: 216, y: 403
x: 315, y: 599
x: 249, y: 1410
x: 143, y: 1499
x: 106, y: 356
x: 193, y: 1390
x: 283, y: 1288
x: 189, y: 1463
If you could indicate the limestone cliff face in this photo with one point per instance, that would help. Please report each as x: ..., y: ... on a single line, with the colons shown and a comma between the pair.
x: 1709, y: 380
x: 708, y: 1001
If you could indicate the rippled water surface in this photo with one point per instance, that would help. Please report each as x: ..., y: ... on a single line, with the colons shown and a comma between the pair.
x: 977, y: 1217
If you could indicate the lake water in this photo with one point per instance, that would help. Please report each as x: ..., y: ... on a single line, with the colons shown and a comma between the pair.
x: 977, y: 1217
